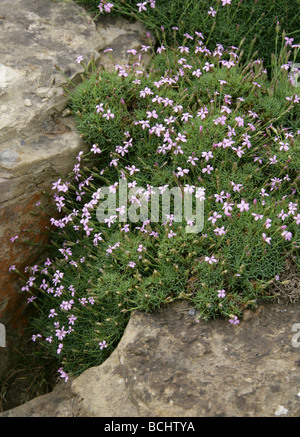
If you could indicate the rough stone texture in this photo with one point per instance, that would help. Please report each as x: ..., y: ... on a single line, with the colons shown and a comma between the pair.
x: 120, y: 36
x: 166, y: 365
x: 38, y: 138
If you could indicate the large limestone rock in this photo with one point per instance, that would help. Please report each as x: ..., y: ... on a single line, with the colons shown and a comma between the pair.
x: 167, y: 365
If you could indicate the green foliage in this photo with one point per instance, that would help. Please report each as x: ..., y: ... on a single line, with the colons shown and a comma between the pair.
x: 254, y: 21
x: 99, y: 273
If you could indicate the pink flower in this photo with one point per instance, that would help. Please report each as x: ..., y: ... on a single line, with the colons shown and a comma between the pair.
x: 263, y: 193
x: 171, y: 234
x: 63, y: 374
x: 266, y: 239
x: 100, y: 108
x: 257, y: 216
x: 243, y: 206
x: 108, y: 115
x: 211, y: 12
x: 221, y: 293
x: 79, y: 59
x: 236, y: 187
x: 181, y: 137
x: 207, y: 66
x: 102, y: 344
x: 288, y: 41
x: 95, y: 149
x: 192, y: 160
x: 125, y: 229
x: 240, y: 121
x: 97, y: 237
x: 110, y: 220
x: 220, y: 197
x: 142, y: 6
x: 211, y: 259
x: 52, y: 313
x: 234, y: 321
x: 273, y: 160
x: 287, y: 235
x: 181, y: 172
x: 268, y: 223
x: 72, y: 319
x: 207, y: 169
x: 65, y: 305
x: 207, y: 155
x: 297, y: 218
x: 220, y: 231
x: 108, y: 7
x: 214, y: 217
x: 131, y: 264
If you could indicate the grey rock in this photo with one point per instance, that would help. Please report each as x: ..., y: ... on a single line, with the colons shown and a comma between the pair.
x: 167, y: 365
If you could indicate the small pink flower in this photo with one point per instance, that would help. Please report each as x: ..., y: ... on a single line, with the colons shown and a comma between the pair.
x: 266, y: 239
x: 108, y: 115
x: 234, y: 321
x: 240, y: 121
x: 63, y: 374
x: 102, y: 344
x: 131, y: 264
x: 221, y: 293
x: 243, y: 206
x: 211, y: 12
x: 287, y: 235
x: 79, y: 59
x: 211, y: 259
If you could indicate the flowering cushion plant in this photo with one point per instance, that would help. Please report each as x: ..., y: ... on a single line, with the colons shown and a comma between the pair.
x: 196, y: 120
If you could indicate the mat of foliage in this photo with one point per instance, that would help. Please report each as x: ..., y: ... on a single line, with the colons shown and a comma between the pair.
x: 197, y: 120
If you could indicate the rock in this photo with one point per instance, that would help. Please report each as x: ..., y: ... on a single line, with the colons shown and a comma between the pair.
x: 119, y: 35
x: 166, y: 365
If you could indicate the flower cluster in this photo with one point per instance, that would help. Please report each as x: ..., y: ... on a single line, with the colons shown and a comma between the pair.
x: 196, y: 120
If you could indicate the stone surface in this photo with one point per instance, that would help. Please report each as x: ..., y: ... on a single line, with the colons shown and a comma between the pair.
x: 167, y: 365
x: 38, y: 137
